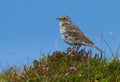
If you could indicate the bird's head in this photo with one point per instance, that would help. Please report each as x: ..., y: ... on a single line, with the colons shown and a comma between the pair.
x: 64, y: 19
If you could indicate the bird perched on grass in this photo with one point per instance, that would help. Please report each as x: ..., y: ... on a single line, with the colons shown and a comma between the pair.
x: 72, y: 35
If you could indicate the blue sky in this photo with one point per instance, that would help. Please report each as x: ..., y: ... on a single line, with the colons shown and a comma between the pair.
x: 29, y: 27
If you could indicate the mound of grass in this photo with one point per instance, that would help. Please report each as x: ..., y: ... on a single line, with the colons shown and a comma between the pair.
x: 60, y: 67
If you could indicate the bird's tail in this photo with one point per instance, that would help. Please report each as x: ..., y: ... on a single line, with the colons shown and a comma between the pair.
x: 97, y: 48
x: 92, y: 45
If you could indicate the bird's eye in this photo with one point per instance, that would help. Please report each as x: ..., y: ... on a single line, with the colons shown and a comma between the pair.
x: 64, y: 18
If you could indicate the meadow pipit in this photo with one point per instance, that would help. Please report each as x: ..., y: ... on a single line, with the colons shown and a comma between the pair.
x: 72, y: 35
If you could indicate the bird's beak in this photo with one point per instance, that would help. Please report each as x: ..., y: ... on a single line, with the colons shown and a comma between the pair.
x: 57, y: 18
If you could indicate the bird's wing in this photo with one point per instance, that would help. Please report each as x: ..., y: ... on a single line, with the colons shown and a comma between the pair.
x: 75, y: 31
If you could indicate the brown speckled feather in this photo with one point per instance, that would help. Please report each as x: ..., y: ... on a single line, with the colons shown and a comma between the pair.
x: 77, y: 33
x: 72, y: 35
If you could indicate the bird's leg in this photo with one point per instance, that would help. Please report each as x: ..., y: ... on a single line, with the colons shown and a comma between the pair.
x: 77, y: 48
x: 71, y: 51
x: 74, y: 49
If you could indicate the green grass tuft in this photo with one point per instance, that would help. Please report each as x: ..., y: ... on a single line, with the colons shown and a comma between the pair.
x: 60, y: 67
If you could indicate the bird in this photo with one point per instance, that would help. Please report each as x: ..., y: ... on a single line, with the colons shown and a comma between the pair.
x: 72, y: 35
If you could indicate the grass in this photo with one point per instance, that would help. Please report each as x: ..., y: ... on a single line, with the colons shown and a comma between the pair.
x: 80, y: 66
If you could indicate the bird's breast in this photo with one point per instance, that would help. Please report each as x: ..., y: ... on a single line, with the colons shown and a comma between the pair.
x: 62, y: 32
